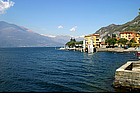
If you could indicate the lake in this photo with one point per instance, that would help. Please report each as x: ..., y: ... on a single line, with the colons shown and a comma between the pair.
x: 48, y: 69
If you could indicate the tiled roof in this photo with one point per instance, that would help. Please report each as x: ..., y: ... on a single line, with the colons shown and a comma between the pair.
x: 128, y: 32
x: 92, y: 35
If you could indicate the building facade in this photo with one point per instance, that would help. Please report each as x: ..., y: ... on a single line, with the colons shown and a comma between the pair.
x: 91, y: 42
x: 138, y: 38
x: 130, y: 35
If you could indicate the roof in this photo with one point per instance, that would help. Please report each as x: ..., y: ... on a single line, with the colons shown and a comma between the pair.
x: 128, y: 32
x: 92, y: 35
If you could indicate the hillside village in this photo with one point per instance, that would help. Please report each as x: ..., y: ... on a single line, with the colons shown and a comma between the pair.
x: 92, y: 42
x: 113, y: 36
x: 125, y: 40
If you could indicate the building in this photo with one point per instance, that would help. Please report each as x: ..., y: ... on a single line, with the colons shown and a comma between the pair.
x: 91, y: 42
x: 138, y: 38
x: 130, y: 35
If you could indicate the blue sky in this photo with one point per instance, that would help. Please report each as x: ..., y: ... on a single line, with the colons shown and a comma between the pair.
x: 81, y: 16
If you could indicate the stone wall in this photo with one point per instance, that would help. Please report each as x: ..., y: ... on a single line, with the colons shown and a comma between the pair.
x: 128, y: 75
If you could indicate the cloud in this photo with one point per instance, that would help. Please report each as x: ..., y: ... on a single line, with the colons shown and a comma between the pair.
x: 73, y: 29
x: 4, y: 5
x: 60, y: 27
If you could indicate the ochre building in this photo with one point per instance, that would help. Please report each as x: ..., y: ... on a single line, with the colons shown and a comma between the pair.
x: 91, y: 42
x: 130, y: 35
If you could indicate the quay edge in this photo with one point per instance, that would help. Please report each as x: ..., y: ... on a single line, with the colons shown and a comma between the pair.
x: 128, y: 76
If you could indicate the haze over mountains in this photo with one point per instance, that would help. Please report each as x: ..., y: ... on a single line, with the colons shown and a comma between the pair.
x: 64, y: 38
x: 12, y: 35
x: 15, y: 36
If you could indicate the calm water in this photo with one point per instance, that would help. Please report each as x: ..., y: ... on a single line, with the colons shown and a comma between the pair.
x: 53, y: 70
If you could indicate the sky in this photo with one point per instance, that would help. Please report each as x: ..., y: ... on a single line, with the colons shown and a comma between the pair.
x: 67, y: 17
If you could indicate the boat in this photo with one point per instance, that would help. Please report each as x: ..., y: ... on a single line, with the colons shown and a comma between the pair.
x: 138, y: 52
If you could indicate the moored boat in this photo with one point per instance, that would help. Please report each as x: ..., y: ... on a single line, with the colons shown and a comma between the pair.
x: 138, y: 52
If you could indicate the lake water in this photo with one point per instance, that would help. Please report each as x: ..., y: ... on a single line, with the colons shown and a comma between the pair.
x: 48, y: 69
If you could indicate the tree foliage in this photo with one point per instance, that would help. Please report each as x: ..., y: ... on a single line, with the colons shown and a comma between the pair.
x: 72, y: 40
x: 72, y: 43
x: 79, y: 42
x: 122, y: 41
x: 132, y: 43
x: 111, y: 41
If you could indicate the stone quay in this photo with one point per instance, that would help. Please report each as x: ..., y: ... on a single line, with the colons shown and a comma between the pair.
x: 128, y: 76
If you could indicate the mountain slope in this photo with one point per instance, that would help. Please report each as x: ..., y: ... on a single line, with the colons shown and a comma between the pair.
x: 133, y: 25
x: 64, y: 38
x: 15, y: 36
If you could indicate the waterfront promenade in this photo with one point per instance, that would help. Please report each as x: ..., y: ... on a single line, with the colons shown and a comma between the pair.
x: 103, y: 49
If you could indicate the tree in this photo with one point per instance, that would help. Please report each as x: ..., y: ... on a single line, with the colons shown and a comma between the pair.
x: 114, y: 36
x: 72, y: 40
x: 139, y: 11
x: 122, y: 41
x: 107, y: 41
x: 111, y: 41
x: 132, y: 43
x: 133, y: 40
x: 71, y: 43
x: 79, y: 42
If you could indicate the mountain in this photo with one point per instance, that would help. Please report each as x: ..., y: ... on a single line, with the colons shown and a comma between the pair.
x: 12, y: 35
x: 64, y: 38
x: 133, y: 25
